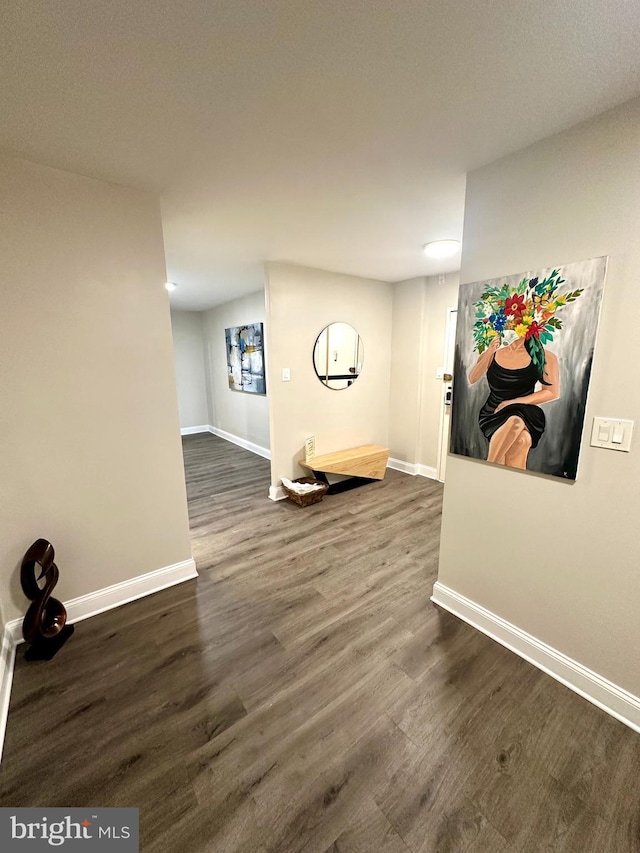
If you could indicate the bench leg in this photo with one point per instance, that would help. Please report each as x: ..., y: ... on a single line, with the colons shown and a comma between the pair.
x: 342, y: 485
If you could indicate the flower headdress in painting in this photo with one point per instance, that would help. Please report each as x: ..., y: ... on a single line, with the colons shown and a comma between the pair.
x: 528, y: 310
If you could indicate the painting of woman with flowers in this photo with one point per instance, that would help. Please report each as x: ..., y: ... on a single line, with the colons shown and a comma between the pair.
x: 524, y: 350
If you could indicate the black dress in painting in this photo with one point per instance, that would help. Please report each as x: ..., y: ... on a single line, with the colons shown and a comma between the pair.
x: 507, y: 384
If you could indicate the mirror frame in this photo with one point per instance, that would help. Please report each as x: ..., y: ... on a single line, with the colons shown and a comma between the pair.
x: 353, y: 374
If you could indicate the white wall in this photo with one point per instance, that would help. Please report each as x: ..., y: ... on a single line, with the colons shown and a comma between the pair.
x: 301, y: 302
x: 188, y: 352
x: 90, y: 456
x: 419, y: 326
x: 439, y: 297
x: 561, y: 560
x: 407, y: 369
x: 245, y: 416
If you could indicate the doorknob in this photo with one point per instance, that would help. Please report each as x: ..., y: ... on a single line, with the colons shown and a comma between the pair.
x: 447, y: 377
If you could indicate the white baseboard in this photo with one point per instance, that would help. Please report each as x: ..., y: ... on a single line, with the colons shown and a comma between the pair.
x: 621, y: 704
x: 195, y: 430
x: 415, y: 469
x: 84, y: 607
x: 265, y: 452
x: 427, y: 471
x: 7, y: 661
x: 276, y: 493
x: 13, y: 630
x: 113, y: 596
x: 93, y: 603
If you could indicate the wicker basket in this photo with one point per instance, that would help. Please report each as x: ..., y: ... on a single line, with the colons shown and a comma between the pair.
x: 311, y: 497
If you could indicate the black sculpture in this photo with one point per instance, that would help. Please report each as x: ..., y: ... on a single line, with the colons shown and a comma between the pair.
x: 44, y: 625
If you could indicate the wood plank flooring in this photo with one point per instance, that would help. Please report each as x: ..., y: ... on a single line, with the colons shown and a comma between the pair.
x: 304, y: 695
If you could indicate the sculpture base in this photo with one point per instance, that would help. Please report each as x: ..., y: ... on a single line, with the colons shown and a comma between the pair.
x: 44, y: 648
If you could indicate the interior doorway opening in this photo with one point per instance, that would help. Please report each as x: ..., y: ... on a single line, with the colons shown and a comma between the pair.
x: 447, y: 390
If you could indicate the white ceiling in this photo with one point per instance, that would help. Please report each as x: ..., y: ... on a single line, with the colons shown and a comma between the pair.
x: 332, y: 133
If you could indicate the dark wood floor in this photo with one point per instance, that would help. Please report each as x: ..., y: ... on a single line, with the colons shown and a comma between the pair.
x: 304, y: 695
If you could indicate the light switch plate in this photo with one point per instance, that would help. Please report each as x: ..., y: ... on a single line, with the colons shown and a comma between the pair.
x: 606, y: 429
x: 286, y: 374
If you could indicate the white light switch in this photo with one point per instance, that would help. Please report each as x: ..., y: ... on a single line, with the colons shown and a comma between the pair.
x: 612, y: 434
x: 439, y: 372
x: 286, y: 374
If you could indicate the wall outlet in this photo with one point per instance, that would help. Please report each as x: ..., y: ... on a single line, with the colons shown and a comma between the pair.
x: 310, y: 449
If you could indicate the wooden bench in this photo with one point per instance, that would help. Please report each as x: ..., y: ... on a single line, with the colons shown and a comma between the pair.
x: 363, y: 464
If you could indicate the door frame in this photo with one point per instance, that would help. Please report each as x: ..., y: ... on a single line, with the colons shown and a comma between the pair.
x: 448, y: 358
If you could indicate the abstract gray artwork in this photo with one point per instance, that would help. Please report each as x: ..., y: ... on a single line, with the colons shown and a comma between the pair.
x: 245, y: 358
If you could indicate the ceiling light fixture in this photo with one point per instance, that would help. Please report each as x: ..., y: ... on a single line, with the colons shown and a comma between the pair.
x: 170, y: 285
x: 441, y: 248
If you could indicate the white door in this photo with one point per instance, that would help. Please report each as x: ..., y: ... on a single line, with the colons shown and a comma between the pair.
x: 447, y: 390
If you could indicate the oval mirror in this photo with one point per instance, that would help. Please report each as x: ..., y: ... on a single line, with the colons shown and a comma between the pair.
x: 338, y: 356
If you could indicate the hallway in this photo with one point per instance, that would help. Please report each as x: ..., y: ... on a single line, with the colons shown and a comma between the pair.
x: 304, y: 695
